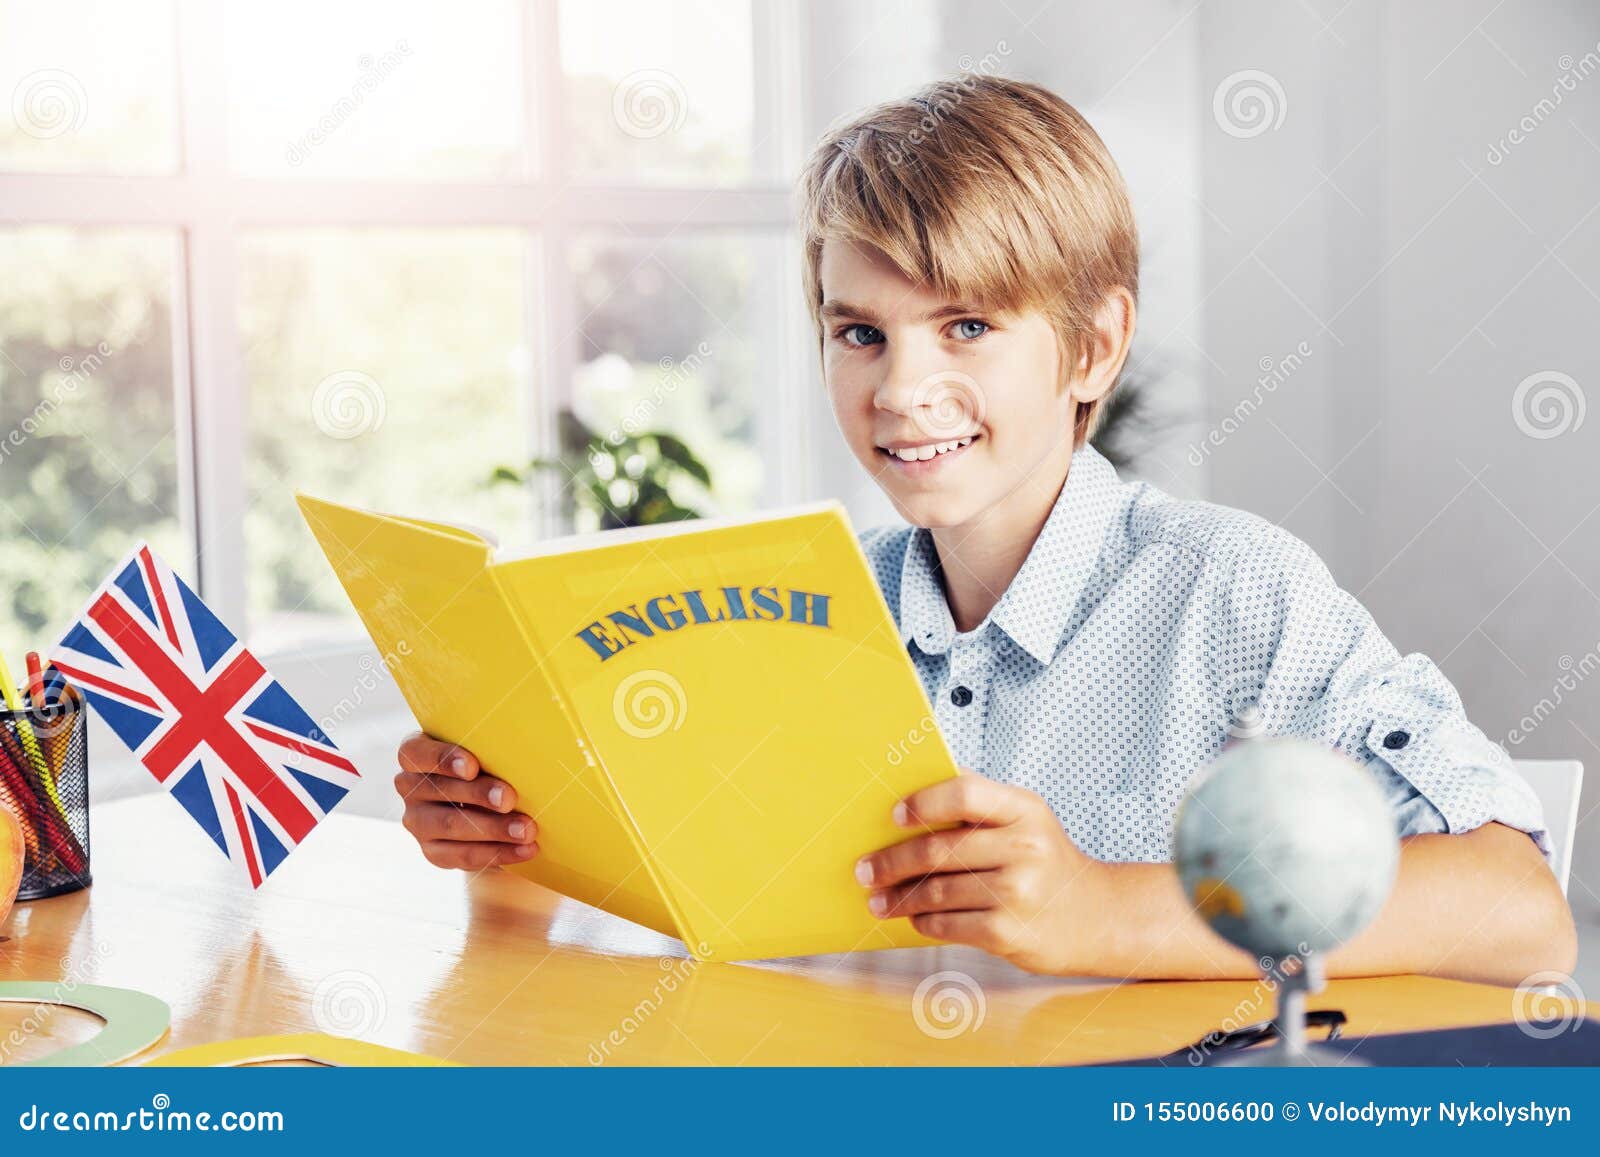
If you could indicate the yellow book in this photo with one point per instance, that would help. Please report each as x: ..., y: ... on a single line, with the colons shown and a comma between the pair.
x: 711, y: 721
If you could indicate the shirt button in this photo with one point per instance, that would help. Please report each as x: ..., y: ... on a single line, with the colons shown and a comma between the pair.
x: 961, y: 696
x: 1395, y: 740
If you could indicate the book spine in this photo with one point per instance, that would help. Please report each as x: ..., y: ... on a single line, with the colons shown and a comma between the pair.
x: 594, y: 760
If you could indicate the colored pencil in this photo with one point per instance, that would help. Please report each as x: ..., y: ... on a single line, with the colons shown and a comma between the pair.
x: 35, y: 680
x: 55, y: 833
x: 30, y: 743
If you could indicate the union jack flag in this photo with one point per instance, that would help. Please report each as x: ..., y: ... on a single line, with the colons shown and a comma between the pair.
x: 203, y: 715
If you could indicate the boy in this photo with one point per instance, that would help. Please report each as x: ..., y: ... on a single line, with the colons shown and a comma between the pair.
x: 972, y: 267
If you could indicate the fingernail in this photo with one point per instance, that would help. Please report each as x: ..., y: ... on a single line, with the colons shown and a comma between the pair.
x: 519, y: 829
x: 901, y: 814
x: 458, y: 764
x: 497, y: 796
x: 878, y: 904
x: 525, y: 851
x: 864, y: 870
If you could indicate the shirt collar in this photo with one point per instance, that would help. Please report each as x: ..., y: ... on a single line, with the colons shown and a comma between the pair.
x: 1037, y: 607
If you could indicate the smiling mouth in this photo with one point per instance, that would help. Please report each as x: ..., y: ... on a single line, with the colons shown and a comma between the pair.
x: 927, y: 451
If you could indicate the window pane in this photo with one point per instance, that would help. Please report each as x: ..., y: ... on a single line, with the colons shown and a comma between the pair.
x: 659, y: 92
x: 88, y: 460
x: 88, y: 86
x: 669, y: 339
x: 386, y: 369
x: 404, y: 90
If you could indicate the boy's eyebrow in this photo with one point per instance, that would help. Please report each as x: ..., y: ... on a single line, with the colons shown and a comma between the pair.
x: 837, y: 309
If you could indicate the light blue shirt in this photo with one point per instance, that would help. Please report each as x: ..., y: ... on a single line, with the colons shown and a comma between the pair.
x: 1108, y: 673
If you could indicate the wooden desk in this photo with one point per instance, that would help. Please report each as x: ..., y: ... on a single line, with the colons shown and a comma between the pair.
x: 496, y: 970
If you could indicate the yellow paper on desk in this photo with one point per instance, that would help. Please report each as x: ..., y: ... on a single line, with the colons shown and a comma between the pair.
x: 711, y: 721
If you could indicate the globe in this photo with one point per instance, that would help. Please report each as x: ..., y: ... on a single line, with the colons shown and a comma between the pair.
x: 1285, y: 847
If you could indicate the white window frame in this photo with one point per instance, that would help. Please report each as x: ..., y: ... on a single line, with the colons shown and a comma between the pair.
x: 207, y: 207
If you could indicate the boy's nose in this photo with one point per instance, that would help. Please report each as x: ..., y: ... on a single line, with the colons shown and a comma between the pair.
x: 940, y: 399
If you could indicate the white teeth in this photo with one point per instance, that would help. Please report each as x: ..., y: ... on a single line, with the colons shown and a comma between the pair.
x: 923, y: 453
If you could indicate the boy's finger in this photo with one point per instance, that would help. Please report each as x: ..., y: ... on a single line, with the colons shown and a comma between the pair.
x: 950, y: 892
x: 979, y: 929
x: 429, y: 756
x: 957, y: 850
x: 476, y: 857
x: 966, y: 799
x: 485, y: 791
x: 448, y: 821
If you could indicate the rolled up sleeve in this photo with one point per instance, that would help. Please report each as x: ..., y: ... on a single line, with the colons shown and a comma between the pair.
x: 1325, y: 672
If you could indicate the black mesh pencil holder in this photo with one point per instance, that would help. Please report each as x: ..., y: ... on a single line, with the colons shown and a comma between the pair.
x: 44, y: 780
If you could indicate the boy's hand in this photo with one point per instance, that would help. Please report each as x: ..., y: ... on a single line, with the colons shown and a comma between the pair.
x: 1009, y: 880
x: 461, y: 816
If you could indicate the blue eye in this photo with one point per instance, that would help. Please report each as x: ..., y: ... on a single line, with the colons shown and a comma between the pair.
x: 971, y: 329
x: 861, y: 335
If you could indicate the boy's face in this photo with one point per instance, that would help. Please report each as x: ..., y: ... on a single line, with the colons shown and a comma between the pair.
x: 952, y: 409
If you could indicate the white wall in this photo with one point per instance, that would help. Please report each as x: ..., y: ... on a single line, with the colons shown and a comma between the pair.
x: 1425, y: 280
x: 1430, y: 282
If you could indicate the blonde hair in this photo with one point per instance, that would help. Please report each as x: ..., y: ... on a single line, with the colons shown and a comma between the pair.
x: 988, y: 190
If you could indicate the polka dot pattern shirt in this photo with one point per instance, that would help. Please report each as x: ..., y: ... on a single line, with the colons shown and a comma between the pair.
x: 1140, y: 624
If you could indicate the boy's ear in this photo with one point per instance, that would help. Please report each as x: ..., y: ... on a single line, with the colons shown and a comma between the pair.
x: 1099, y: 365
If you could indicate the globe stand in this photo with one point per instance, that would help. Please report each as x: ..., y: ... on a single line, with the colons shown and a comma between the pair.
x: 1292, y: 1049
